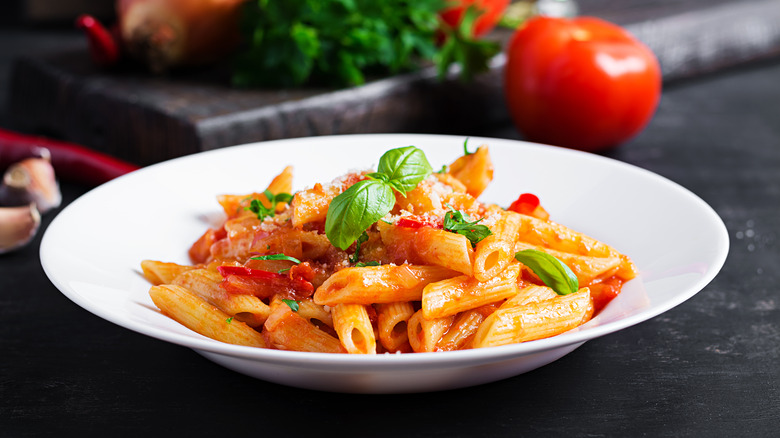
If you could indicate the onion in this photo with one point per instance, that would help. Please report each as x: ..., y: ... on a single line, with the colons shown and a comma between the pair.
x: 167, y: 33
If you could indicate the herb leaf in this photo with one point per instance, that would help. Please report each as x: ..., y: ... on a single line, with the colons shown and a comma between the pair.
x: 553, y: 272
x: 276, y: 257
x: 459, y: 222
x: 363, y: 238
x: 292, y: 303
x: 371, y: 263
x: 367, y: 201
x: 404, y: 167
x: 257, y: 207
x: 356, y: 209
x: 293, y: 42
x: 466, y: 147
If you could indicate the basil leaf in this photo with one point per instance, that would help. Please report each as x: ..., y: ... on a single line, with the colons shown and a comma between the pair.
x: 458, y: 222
x: 283, y: 197
x: 404, y: 167
x: 292, y: 303
x: 356, y: 209
x: 553, y: 272
x: 275, y: 257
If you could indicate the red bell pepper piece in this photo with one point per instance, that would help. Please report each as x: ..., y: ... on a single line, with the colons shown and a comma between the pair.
x: 263, y: 284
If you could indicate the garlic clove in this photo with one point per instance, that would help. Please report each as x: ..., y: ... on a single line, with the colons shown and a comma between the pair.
x: 31, y: 180
x: 18, y: 225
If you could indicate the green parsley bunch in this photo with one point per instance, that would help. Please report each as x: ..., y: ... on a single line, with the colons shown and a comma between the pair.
x: 289, y: 42
x: 340, y: 42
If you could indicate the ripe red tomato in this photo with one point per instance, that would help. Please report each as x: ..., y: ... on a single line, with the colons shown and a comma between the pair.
x: 581, y: 83
x: 492, y: 10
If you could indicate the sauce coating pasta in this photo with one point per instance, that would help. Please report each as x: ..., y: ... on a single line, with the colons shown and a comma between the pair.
x: 436, y: 272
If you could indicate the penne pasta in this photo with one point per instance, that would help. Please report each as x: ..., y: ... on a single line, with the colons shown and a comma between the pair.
x: 286, y: 330
x: 474, y: 170
x: 162, y: 272
x: 496, y: 251
x: 533, y: 321
x: 530, y: 295
x: 463, y: 328
x: 378, y: 284
x: 206, y: 285
x: 414, y: 269
x: 587, y: 269
x: 392, y: 325
x: 200, y: 316
x: 354, y: 328
x: 457, y: 294
x: 441, y: 248
x: 424, y: 334
x: 557, y: 237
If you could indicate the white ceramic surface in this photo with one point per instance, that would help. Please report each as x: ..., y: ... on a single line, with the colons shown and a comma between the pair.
x: 92, y: 249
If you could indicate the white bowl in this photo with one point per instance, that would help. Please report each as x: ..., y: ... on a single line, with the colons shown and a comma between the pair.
x: 93, y: 248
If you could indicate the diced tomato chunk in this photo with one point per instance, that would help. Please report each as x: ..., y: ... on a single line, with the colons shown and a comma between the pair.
x: 529, y: 204
x: 605, y: 292
x: 200, y: 251
x: 415, y: 222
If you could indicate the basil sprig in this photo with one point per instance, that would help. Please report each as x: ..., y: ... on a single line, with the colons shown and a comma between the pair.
x: 553, y: 272
x: 367, y: 201
x: 404, y: 168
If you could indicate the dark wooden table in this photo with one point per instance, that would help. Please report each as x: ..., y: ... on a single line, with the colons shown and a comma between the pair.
x: 710, y: 367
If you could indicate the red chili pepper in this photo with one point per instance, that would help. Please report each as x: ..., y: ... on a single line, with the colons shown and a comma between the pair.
x: 102, y: 44
x: 71, y: 162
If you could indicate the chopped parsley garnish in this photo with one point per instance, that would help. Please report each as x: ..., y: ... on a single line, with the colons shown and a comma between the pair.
x: 371, y: 263
x: 229, y: 320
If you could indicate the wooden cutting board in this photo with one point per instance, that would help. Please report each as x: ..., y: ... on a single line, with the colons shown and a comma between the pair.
x: 146, y: 119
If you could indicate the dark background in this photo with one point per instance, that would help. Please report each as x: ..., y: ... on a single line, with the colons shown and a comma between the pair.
x: 709, y: 367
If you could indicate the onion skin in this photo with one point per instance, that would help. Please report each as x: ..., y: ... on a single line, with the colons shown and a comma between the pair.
x: 164, y: 34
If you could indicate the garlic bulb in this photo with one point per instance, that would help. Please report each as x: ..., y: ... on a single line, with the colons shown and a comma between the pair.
x: 18, y: 225
x: 31, y: 180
